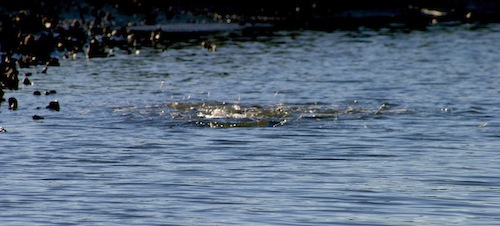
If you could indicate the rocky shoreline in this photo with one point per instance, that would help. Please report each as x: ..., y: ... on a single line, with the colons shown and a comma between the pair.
x: 32, y: 31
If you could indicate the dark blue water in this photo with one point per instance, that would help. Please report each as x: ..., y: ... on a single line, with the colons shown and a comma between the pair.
x: 295, y: 128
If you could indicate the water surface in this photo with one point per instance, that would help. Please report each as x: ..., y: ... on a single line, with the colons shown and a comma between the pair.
x: 295, y: 128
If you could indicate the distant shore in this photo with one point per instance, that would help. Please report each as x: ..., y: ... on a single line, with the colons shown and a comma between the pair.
x: 31, y: 31
x: 34, y: 29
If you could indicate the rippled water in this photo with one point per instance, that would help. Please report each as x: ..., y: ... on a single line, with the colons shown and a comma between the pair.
x: 294, y: 128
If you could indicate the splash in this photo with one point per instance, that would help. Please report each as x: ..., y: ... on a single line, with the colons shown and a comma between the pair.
x: 223, y: 115
x: 227, y: 115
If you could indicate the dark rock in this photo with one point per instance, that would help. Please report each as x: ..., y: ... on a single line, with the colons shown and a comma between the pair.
x: 53, y: 62
x: 37, y: 93
x: 26, y: 81
x: 54, y: 105
x: 37, y: 117
x: 9, y: 73
x: 48, y: 92
x: 12, y: 103
x: 96, y: 49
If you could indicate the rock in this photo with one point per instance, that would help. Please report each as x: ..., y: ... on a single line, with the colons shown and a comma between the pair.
x: 53, y: 62
x: 96, y: 49
x: 54, y: 105
x: 9, y: 72
x: 12, y: 103
x: 26, y: 81
x: 48, y: 92
x: 1, y: 95
x: 37, y: 117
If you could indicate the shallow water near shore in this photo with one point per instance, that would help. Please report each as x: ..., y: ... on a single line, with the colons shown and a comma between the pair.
x: 295, y: 128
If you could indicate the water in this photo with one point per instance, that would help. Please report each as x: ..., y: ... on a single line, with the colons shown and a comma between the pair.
x: 295, y: 128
